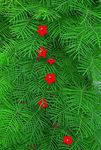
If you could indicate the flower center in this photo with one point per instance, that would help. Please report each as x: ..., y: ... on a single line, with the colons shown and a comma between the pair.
x: 50, y: 77
x: 41, y: 28
x: 40, y: 51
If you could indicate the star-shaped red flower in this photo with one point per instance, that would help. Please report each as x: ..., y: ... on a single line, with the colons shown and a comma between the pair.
x: 68, y: 140
x: 42, y: 30
x: 50, y: 78
x: 42, y: 52
x: 51, y: 61
x: 43, y: 103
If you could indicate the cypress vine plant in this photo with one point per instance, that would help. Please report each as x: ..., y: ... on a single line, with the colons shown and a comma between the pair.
x: 50, y: 74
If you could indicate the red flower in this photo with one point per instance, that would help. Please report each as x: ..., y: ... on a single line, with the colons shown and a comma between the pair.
x: 43, y: 103
x: 42, y: 30
x: 42, y: 52
x: 50, y: 78
x: 68, y: 140
x: 51, y: 61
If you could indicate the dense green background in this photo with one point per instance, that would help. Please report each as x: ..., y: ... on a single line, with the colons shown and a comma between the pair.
x: 74, y: 40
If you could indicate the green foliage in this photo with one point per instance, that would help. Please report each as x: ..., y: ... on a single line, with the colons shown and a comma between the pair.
x: 74, y: 40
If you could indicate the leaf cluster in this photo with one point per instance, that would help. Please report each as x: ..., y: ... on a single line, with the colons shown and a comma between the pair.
x: 74, y: 40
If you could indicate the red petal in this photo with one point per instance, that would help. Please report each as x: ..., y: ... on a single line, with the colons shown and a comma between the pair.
x: 41, y: 34
x: 44, y: 54
x: 49, y: 82
x: 39, y: 55
x: 45, y: 105
x: 42, y: 101
x: 45, y: 27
